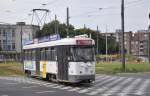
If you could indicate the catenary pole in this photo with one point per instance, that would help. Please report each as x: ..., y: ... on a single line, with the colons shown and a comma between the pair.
x: 97, y: 40
x: 122, y: 27
x: 56, y: 31
x: 149, y: 42
x: 106, y: 43
x: 67, y: 22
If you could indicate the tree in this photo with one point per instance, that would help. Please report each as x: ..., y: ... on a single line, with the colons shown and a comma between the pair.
x: 49, y: 29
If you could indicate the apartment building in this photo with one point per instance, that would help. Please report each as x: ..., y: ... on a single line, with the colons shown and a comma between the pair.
x: 10, y: 37
x: 127, y: 40
x: 140, y: 43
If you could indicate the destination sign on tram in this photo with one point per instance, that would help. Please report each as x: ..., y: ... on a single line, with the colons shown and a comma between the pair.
x: 84, y: 42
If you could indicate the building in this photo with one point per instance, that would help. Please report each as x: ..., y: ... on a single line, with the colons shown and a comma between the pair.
x: 140, y: 43
x: 127, y: 40
x: 10, y: 37
x: 135, y: 43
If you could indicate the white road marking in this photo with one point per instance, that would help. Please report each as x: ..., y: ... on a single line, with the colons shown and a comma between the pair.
x: 114, y: 82
x: 51, y: 85
x: 106, y: 87
x: 65, y: 88
x: 44, y: 92
x: 142, y: 88
x: 96, y: 91
x: 30, y: 87
x: 11, y: 83
x: 100, y: 76
x: 117, y: 87
x: 75, y: 89
x: 59, y: 86
x: 129, y: 88
x: 85, y: 90
x: 101, y: 79
x: 4, y: 95
x: 105, y: 81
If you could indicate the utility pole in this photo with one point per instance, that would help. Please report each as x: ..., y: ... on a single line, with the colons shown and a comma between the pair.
x: 149, y: 42
x: 97, y: 40
x: 122, y: 25
x: 106, y: 43
x: 138, y: 33
x: 56, y: 26
x: 21, y: 43
x: 21, y: 24
x: 67, y: 22
x: 84, y: 26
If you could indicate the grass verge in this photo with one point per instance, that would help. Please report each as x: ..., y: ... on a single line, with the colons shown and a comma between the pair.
x: 15, y: 68
x: 11, y: 69
x: 116, y: 67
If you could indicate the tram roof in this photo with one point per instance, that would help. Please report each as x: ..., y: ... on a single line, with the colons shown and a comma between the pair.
x: 65, y: 41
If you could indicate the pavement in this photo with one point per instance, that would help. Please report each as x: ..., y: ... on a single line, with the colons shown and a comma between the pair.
x: 105, y: 85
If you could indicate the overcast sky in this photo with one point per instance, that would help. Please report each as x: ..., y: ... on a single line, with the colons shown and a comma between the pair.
x: 89, y: 12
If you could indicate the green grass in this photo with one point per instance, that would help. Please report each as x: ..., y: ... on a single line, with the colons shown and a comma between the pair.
x: 10, y: 69
x: 116, y: 67
x: 15, y: 68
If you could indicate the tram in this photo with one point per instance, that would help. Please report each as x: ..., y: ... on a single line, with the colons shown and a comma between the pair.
x: 65, y: 60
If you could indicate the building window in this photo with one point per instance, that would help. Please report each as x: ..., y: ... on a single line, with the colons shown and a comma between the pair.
x: 4, y: 47
x: 4, y: 42
x: 141, y: 46
x: 4, y: 32
x: 141, y: 41
x: 145, y: 35
x: 13, y: 33
x: 132, y: 42
x: 141, y: 50
x: 0, y: 31
x: 8, y: 47
x: 13, y: 46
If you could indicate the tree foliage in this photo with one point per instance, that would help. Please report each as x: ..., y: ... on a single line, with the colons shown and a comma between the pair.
x: 49, y: 29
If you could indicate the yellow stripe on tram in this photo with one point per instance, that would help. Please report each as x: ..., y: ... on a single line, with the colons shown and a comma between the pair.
x: 44, y: 69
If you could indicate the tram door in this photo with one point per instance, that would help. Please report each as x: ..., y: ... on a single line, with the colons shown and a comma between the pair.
x: 37, y: 61
x: 62, y: 59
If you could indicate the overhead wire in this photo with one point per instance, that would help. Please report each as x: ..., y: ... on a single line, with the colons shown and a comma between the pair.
x: 110, y: 7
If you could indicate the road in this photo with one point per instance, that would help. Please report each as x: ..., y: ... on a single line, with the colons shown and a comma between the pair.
x: 105, y: 85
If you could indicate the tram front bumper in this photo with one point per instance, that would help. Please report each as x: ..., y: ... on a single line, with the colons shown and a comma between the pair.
x: 81, y: 78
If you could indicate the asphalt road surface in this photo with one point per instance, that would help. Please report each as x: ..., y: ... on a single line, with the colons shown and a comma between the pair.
x: 105, y: 85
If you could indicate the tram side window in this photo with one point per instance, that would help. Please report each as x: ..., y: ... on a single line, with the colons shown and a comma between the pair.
x: 53, y: 54
x: 42, y: 57
x: 30, y: 55
x: 33, y: 54
x: 48, y: 54
x: 25, y: 55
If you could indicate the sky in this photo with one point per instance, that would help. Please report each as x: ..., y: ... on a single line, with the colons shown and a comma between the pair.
x: 92, y: 13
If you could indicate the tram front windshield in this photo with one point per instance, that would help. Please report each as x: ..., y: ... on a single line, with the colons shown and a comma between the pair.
x: 83, y: 53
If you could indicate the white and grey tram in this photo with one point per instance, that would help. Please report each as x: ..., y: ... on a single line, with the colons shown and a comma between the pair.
x: 66, y: 60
